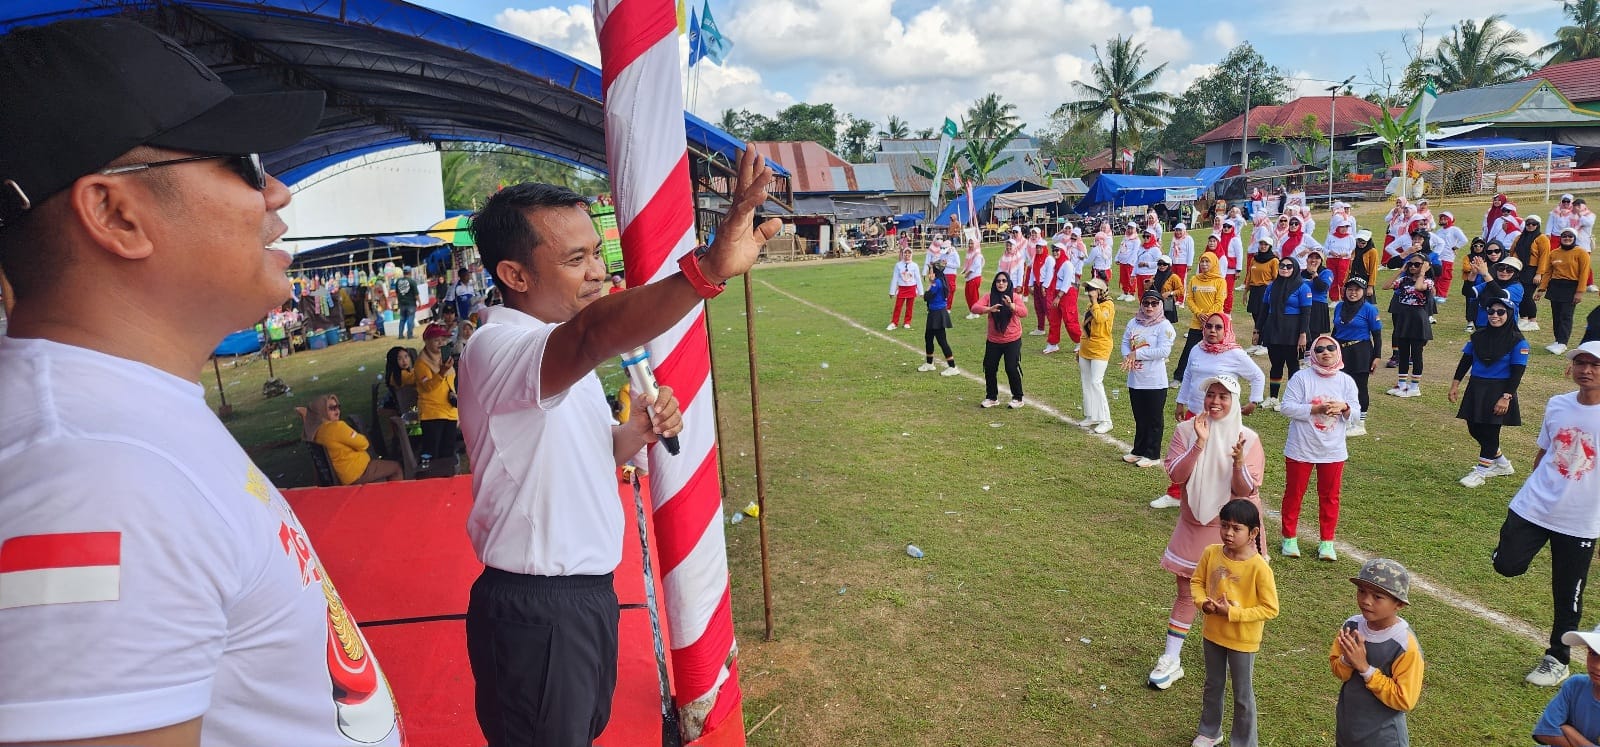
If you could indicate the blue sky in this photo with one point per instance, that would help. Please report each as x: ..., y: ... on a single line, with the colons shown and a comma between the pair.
x: 926, y: 59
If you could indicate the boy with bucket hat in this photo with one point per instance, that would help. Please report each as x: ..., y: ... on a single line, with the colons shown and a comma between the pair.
x: 1377, y: 657
x: 157, y: 589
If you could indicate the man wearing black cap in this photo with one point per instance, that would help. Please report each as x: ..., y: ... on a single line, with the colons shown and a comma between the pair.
x: 155, y: 588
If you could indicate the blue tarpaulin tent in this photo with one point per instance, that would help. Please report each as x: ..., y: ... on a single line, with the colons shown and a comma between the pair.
x: 239, y: 343
x: 907, y: 220
x: 1509, y: 148
x: 980, y: 198
x: 1120, y: 190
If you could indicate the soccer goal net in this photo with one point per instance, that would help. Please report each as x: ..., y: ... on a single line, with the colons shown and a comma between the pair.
x: 1470, y: 170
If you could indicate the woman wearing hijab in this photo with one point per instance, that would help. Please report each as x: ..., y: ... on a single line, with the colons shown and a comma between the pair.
x: 1561, y: 280
x: 1340, y: 242
x: 1230, y: 257
x: 1168, y: 285
x: 1127, y: 256
x: 1496, y: 356
x: 1094, y: 354
x: 1262, y: 269
x: 1319, y: 403
x: 1286, y: 318
x: 1005, y: 306
x: 1218, y: 354
x: 1204, y: 298
x: 1146, y: 343
x: 1320, y: 279
x: 1360, y: 334
x: 1493, y: 227
x: 347, y: 449
x: 1213, y: 458
x: 1413, y: 294
x: 1531, y: 248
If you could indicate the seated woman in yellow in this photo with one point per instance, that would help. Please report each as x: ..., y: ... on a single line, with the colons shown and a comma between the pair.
x: 347, y: 449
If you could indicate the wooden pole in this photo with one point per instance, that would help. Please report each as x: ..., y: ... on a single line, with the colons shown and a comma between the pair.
x: 761, y: 466
x: 223, y: 410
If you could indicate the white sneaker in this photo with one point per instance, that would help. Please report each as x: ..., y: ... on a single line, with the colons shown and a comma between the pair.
x: 926, y: 367
x: 1103, y: 426
x: 1549, y: 672
x: 891, y: 326
x: 988, y: 403
x: 1358, y: 428
x: 1471, y: 328
x: 1474, y: 479
x: 907, y: 325
x: 1270, y: 403
x: 1258, y: 351
x: 1433, y: 319
x: 972, y: 316
x: 1556, y: 348
x: 1165, y: 501
x: 1201, y: 740
x: 1035, y: 331
x: 1048, y: 349
x: 1502, y: 469
x: 1168, y: 670
x: 1441, y: 300
x: 1594, y: 289
x: 1395, y: 391
x: 1131, y: 458
x: 1077, y: 347
x: 1148, y: 462
x: 1014, y: 404
x: 1412, y: 391
x: 950, y: 371
x: 1527, y: 325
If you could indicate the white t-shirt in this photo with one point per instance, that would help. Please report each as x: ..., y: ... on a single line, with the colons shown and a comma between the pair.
x: 544, y: 486
x: 1154, y: 345
x: 1203, y: 365
x: 1446, y: 241
x: 150, y: 574
x: 1563, y: 492
x: 1182, y: 250
x: 1318, y: 438
x: 1583, y: 226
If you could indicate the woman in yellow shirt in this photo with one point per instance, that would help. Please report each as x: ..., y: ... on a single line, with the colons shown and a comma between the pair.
x: 1207, y: 293
x: 347, y: 449
x: 435, y: 378
x: 1095, y: 353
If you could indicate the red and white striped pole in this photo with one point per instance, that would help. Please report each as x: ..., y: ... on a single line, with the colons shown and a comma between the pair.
x: 649, y: 164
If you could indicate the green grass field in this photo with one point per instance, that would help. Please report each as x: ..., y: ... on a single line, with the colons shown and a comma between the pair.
x: 1040, y: 606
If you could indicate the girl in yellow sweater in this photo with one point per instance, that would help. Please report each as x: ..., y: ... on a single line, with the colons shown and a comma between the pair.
x: 1238, y: 596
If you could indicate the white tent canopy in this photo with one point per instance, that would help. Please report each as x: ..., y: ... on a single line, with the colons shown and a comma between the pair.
x: 1024, y: 199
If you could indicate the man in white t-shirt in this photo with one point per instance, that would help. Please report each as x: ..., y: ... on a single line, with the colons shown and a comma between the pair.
x: 546, y: 521
x: 155, y: 588
x: 1560, y: 505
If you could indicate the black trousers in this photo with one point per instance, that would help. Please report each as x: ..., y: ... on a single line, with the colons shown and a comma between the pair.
x: 543, y: 651
x: 1408, y: 353
x: 1561, y: 313
x: 1529, y: 308
x: 929, y: 335
x: 1469, y: 293
x: 1520, y: 541
x: 439, y: 438
x: 1488, y: 437
x: 1361, y: 389
x: 1282, y: 357
x: 1148, y: 421
x: 992, y: 353
x: 1192, y: 340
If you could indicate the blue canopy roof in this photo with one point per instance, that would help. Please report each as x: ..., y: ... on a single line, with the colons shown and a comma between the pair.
x: 1137, y: 189
x: 1512, y: 148
x: 394, y: 74
x: 980, y: 197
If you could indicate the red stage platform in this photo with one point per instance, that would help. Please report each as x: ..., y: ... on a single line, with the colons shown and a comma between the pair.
x: 400, y: 556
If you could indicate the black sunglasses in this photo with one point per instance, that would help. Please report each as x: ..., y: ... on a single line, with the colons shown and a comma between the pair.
x: 1324, y: 348
x: 1215, y: 326
x: 247, y: 166
x: 1496, y: 311
x: 1149, y: 302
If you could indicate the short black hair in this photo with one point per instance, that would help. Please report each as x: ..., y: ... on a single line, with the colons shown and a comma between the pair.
x: 1241, y: 511
x: 502, y: 229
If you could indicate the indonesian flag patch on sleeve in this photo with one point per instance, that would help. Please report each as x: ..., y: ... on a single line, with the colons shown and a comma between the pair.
x: 60, y: 569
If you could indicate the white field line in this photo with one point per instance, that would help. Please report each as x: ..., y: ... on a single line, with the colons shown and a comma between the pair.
x: 1439, y: 591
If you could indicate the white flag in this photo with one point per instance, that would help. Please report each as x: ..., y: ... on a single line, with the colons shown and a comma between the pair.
x: 946, y: 137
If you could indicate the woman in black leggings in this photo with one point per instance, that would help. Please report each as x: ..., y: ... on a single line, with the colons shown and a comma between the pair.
x: 1497, y: 356
x: 1413, y: 293
x: 1285, y: 318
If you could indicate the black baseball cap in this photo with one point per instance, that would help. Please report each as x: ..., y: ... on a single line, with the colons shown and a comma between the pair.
x: 82, y: 92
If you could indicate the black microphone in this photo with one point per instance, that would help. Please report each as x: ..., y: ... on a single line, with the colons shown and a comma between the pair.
x: 637, y: 363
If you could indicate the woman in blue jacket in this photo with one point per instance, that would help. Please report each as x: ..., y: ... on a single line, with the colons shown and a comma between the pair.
x: 1497, y: 356
x: 1320, y: 278
x: 1360, y: 334
x: 1285, y: 320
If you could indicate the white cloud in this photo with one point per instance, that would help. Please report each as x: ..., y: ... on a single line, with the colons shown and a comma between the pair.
x: 1223, y: 34
x: 1360, y: 16
x: 1535, y: 39
x: 570, y: 31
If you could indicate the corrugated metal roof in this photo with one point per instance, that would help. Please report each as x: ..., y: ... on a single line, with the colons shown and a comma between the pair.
x: 900, y: 161
x: 1518, y: 102
x: 1352, y: 113
x: 1579, y: 81
x: 814, y: 169
x: 873, y: 177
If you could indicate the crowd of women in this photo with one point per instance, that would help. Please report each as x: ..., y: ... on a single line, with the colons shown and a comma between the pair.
x: 1315, y: 317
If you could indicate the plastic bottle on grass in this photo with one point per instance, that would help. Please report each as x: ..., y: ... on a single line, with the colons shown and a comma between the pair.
x: 914, y: 551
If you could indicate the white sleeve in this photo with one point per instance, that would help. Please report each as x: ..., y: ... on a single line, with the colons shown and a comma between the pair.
x: 132, y: 642
x: 500, y: 368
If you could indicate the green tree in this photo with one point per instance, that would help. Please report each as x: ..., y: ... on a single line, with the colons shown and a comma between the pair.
x: 1581, y: 39
x: 462, y: 184
x: 857, y: 139
x: 1067, y: 145
x: 473, y: 171
x: 895, y: 129
x: 926, y: 133
x: 1301, y: 138
x: 1218, y: 97
x: 816, y: 122
x: 983, y: 156
x: 1397, y: 133
x: 989, y: 117
x: 746, y: 125
x: 1476, y: 55
x: 1121, y: 89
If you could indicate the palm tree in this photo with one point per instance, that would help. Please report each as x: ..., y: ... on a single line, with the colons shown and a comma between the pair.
x: 1475, y: 55
x: 462, y: 175
x: 988, y: 117
x: 897, y: 129
x: 1581, y: 40
x: 983, y: 156
x: 1122, y: 90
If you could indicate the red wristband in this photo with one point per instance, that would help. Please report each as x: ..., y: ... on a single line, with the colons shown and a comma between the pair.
x: 689, y: 265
